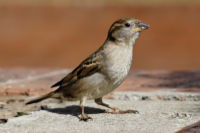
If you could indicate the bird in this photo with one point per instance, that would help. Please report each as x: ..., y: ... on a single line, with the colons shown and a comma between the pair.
x: 103, y: 71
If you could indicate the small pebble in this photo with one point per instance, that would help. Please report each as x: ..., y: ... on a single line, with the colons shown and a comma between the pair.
x: 3, y: 121
x: 20, y: 114
x: 10, y: 101
x: 43, y: 107
x: 21, y: 100
x: 1, y: 106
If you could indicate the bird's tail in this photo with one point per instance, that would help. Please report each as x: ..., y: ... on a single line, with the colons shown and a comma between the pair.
x: 41, y: 98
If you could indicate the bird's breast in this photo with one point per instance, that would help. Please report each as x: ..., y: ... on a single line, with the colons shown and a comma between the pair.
x: 118, y: 61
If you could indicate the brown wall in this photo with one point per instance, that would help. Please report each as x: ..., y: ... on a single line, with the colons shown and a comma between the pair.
x: 63, y: 35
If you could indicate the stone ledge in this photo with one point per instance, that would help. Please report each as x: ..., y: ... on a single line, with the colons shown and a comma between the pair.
x: 37, y: 81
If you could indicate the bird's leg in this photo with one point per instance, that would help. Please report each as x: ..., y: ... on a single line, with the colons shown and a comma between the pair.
x: 84, y: 117
x: 115, y: 110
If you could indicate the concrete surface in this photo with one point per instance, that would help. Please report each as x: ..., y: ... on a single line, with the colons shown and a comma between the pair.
x: 155, y: 116
x: 168, y: 101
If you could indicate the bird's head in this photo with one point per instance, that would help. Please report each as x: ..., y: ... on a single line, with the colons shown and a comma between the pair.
x: 126, y: 30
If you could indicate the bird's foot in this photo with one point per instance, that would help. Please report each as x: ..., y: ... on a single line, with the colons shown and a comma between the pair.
x: 85, y: 117
x: 118, y: 111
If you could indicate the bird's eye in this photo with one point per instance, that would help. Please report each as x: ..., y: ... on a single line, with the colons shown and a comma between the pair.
x: 127, y: 25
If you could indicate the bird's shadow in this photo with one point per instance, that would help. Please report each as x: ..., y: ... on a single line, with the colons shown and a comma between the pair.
x: 75, y: 110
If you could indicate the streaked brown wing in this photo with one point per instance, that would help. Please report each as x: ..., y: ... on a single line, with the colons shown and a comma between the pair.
x: 88, y: 67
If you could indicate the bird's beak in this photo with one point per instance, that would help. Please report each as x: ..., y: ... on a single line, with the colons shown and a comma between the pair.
x: 141, y: 26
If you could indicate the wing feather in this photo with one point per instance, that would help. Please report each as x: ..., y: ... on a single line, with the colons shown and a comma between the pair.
x: 88, y: 67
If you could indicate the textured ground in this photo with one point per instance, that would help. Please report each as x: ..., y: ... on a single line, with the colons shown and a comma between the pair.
x: 167, y: 102
x: 154, y: 117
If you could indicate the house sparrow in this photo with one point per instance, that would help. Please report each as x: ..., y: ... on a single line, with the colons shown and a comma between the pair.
x: 103, y: 71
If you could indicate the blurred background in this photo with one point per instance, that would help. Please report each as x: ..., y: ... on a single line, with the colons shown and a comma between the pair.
x: 60, y: 34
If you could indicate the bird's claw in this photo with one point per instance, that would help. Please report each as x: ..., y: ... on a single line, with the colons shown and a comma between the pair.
x: 85, y: 117
x: 132, y: 111
x: 118, y: 111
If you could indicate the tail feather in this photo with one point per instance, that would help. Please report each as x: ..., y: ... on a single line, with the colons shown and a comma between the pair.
x: 41, y: 98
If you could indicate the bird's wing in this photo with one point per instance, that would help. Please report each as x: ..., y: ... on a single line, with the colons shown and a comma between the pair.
x: 88, y: 67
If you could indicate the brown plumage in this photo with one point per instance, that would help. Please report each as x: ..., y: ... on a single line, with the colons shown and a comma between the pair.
x: 102, y: 71
x: 89, y: 66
